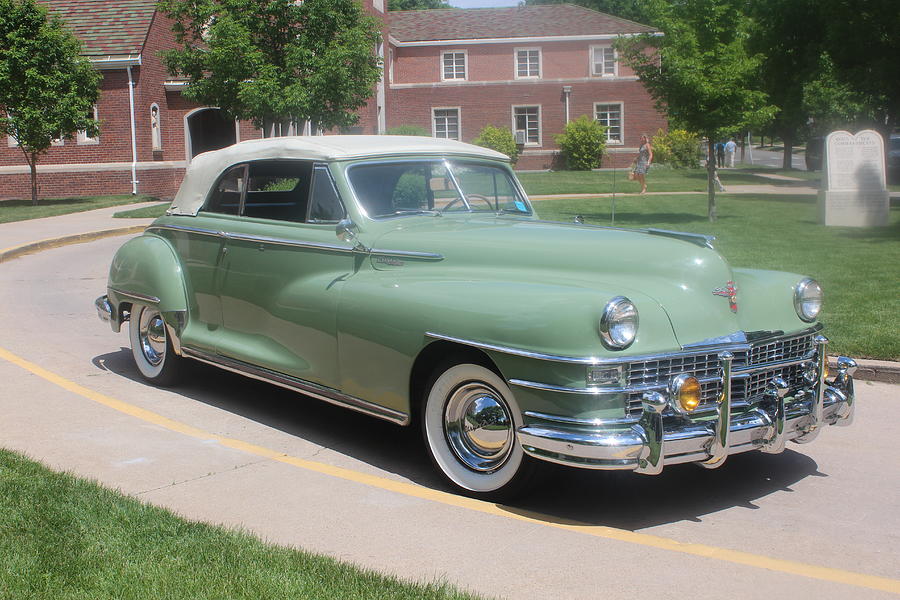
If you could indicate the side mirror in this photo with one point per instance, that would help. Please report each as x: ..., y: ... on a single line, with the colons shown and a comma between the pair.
x: 346, y: 231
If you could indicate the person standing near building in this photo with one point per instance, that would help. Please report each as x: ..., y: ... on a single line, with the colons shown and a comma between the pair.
x: 730, y: 148
x: 642, y: 163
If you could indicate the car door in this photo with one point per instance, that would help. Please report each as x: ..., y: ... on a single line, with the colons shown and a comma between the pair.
x: 200, y: 245
x: 283, y: 271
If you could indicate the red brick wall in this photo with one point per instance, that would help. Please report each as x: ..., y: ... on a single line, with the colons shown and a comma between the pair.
x: 491, y: 91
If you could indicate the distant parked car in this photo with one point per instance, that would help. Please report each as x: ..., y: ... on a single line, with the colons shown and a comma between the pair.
x: 409, y: 278
x: 815, y: 149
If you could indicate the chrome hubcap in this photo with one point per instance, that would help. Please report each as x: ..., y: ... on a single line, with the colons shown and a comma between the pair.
x: 152, y: 335
x: 478, y: 427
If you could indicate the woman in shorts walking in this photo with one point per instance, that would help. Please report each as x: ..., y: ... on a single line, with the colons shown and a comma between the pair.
x: 642, y: 163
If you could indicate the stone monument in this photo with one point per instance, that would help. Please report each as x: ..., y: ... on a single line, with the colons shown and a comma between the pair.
x: 854, y: 192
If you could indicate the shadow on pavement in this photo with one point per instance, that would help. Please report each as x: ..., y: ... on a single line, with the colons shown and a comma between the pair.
x: 618, y: 499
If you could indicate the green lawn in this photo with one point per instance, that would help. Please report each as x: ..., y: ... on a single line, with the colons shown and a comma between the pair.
x: 859, y: 269
x: 65, y: 538
x: 22, y: 210
x: 660, y: 179
x: 147, y: 212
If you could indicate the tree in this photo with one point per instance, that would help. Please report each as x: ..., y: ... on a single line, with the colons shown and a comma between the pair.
x: 639, y: 11
x: 276, y: 61
x: 416, y: 4
x: 701, y: 73
x: 47, y: 90
x: 862, y: 41
x: 789, y: 34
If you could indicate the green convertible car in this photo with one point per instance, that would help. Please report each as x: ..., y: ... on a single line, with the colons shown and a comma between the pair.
x: 410, y: 279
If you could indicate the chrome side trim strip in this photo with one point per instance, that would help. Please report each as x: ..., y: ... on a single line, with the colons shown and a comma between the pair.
x: 618, y: 359
x: 261, y: 239
x: 599, y: 391
x: 624, y: 421
x: 315, y: 390
x: 246, y: 237
x: 136, y: 296
x: 406, y: 254
x: 196, y: 230
x: 525, y: 353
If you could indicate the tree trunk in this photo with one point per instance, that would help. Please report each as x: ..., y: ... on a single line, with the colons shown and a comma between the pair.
x: 710, y: 178
x: 32, y: 165
x: 787, y: 157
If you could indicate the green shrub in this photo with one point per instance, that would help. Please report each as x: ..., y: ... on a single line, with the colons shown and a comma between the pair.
x: 500, y: 139
x: 408, y: 130
x: 677, y: 148
x: 582, y: 143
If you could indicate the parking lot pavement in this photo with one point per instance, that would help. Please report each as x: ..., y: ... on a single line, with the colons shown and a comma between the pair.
x: 817, y: 521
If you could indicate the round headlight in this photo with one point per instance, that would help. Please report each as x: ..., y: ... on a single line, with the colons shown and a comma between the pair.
x: 619, y: 323
x: 808, y: 299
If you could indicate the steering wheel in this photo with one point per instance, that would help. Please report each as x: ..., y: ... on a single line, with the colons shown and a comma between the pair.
x: 469, y: 197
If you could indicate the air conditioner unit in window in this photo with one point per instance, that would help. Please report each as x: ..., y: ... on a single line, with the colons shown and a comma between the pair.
x: 520, y: 138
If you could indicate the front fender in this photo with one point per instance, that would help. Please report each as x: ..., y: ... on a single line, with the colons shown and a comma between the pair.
x: 766, y: 300
x: 146, y: 270
x: 384, y: 324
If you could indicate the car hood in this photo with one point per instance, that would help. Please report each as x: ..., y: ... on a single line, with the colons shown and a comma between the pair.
x: 678, y: 275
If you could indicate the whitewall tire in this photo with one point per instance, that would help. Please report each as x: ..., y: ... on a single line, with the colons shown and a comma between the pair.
x: 469, y: 420
x: 151, y: 346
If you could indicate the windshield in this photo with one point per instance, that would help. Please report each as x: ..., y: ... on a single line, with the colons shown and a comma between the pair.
x: 388, y: 189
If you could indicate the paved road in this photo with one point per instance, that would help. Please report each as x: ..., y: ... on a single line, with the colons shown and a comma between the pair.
x: 772, y: 159
x: 821, y: 520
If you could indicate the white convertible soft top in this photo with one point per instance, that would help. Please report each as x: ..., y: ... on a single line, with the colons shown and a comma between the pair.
x: 206, y: 167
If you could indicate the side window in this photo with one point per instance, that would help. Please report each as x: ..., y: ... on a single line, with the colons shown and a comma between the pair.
x: 324, y: 202
x: 278, y: 190
x: 226, y: 196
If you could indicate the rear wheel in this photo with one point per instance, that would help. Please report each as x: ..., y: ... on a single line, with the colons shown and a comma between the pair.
x: 151, y: 346
x: 469, y: 420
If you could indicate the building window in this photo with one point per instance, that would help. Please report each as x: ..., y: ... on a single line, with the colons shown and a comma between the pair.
x: 528, y: 63
x: 454, y: 65
x: 445, y: 123
x: 527, y: 120
x: 603, y: 61
x: 610, y: 116
x: 82, y: 137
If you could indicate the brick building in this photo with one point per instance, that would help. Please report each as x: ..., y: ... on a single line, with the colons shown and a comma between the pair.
x: 528, y: 68
x: 451, y: 71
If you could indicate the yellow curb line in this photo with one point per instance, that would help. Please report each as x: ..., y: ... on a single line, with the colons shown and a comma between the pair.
x: 78, y: 238
x: 610, y: 533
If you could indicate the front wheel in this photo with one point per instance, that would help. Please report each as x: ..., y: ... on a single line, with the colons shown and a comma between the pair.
x: 469, y: 421
x: 151, y: 346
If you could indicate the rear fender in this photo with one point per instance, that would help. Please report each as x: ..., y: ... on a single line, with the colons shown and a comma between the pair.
x: 146, y: 270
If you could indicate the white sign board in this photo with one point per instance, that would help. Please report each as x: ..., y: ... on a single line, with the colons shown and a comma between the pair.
x: 855, y: 192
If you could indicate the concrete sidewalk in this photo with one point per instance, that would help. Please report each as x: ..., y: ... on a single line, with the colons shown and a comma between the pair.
x: 25, y: 237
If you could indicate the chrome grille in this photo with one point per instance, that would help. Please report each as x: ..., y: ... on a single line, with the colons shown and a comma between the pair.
x: 784, y: 349
x: 745, y: 390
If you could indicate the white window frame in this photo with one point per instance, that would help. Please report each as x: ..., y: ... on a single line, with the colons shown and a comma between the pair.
x: 11, y: 142
x: 434, y: 129
x: 540, y: 132
x: 615, y: 72
x: 540, y: 62
x: 465, y: 55
x: 82, y: 138
x: 621, y: 105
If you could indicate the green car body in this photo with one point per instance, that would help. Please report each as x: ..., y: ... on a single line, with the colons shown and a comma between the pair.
x: 373, y: 311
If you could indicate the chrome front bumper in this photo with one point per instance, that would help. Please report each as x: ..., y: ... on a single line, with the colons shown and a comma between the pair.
x: 647, y: 444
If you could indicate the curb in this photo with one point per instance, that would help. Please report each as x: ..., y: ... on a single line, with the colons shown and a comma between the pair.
x: 78, y: 238
x: 868, y: 370
x: 883, y: 371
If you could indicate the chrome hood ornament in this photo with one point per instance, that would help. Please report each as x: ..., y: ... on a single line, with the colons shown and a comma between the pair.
x: 730, y: 292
